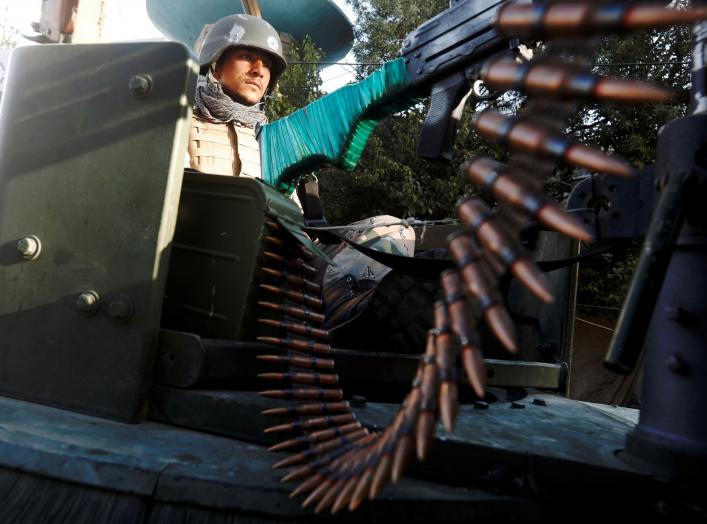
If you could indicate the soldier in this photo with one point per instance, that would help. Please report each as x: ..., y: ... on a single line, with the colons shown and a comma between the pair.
x: 241, y: 58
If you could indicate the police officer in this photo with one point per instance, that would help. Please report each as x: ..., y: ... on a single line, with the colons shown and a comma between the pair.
x: 241, y: 58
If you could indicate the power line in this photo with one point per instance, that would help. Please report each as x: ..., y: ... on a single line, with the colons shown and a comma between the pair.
x: 607, y: 64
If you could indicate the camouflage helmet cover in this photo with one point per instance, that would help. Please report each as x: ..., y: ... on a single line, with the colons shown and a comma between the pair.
x: 242, y: 31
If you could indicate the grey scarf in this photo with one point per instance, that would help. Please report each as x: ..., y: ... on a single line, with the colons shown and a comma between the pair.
x: 216, y: 106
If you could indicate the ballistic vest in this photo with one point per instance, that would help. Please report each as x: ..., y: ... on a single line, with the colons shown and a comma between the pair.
x: 223, y: 149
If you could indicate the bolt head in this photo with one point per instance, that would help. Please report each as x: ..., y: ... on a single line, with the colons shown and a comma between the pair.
x: 29, y: 247
x: 120, y: 309
x: 88, y: 302
x: 140, y: 85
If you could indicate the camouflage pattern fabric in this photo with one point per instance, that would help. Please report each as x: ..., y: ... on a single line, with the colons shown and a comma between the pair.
x: 349, y: 285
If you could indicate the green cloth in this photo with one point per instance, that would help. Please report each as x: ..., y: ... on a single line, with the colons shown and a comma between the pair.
x: 334, y: 129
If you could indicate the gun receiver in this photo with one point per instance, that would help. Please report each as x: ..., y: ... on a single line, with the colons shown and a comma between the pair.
x: 443, y: 57
x: 439, y: 60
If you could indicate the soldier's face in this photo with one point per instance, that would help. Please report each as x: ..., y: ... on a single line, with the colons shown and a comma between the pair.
x: 244, y: 73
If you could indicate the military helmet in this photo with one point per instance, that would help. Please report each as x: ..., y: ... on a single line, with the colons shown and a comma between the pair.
x: 242, y: 31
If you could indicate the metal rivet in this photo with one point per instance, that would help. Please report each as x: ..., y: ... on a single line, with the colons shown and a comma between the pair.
x: 517, y: 405
x: 140, y: 85
x: 120, y: 309
x: 29, y: 247
x: 539, y: 402
x: 88, y: 302
x: 676, y: 364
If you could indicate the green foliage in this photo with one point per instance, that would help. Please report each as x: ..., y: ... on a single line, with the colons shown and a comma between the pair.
x: 299, y: 85
x: 390, y: 178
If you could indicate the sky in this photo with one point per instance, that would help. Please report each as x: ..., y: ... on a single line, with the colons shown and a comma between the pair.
x: 128, y: 20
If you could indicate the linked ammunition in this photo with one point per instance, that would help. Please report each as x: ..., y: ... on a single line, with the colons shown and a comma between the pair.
x: 309, y: 410
x: 586, y: 19
x: 317, y: 436
x: 381, y: 476
x: 274, y: 241
x: 296, y: 264
x: 313, y: 423
x: 317, y: 379
x: 318, y: 493
x: 322, y: 448
x: 330, y: 496
x: 345, y: 496
x: 362, y: 489
x: 561, y: 81
x: 474, y: 213
x: 299, y: 362
x: 301, y: 313
x: 458, y: 307
x: 487, y: 173
x: 473, y: 362
x: 293, y: 280
x: 295, y: 296
x: 401, y: 457
x: 304, y: 394
x: 298, y: 344
x: 297, y: 328
x: 307, y: 486
x: 467, y: 256
x: 535, y: 140
x: 303, y: 472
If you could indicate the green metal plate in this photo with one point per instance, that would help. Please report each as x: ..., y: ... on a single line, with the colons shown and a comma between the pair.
x: 93, y: 169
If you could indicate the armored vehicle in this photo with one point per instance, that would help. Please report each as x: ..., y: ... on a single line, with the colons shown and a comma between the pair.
x: 140, y: 301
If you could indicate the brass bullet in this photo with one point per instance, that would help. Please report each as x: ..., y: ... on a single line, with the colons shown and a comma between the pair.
x: 304, y: 394
x: 476, y: 214
x: 318, y: 493
x: 298, y: 344
x: 313, y: 423
x: 448, y: 404
x: 301, y: 313
x: 271, y: 224
x: 425, y: 431
x: 561, y: 81
x: 307, y: 486
x: 303, y: 472
x: 487, y: 173
x: 318, y: 436
x: 317, y: 379
x: 401, y: 457
x: 381, y: 476
x: 297, y: 328
x: 459, y: 313
x: 330, y: 496
x: 498, y: 319
x: 362, y: 488
x: 585, y: 19
x: 319, y: 408
x: 534, y: 140
x: 295, y: 296
x: 296, y: 264
x: 277, y: 242
x: 299, y: 362
x: 473, y: 362
x: 293, y: 280
x: 345, y: 496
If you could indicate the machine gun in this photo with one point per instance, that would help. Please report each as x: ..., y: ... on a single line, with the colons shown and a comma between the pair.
x: 83, y: 292
x: 441, y: 60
